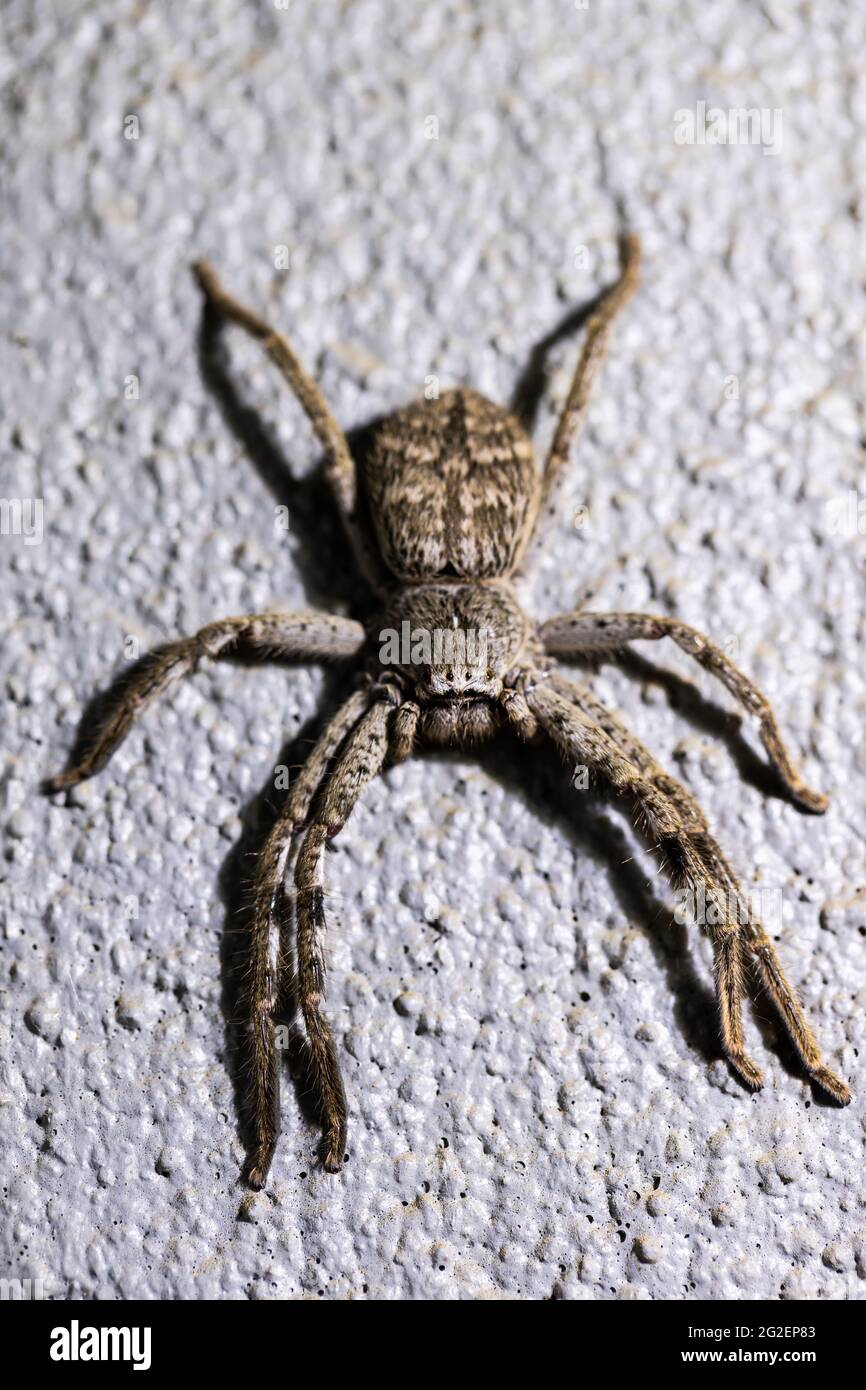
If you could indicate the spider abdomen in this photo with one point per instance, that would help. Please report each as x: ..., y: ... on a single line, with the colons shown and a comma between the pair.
x: 451, y: 486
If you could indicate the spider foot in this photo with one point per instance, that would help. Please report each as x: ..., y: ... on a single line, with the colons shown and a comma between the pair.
x: 832, y: 1084
x: 62, y: 780
x: 334, y: 1148
x: 747, y: 1069
x: 206, y: 276
x: 257, y: 1166
x: 816, y: 802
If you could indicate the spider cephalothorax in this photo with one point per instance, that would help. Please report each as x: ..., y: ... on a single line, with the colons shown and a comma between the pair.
x: 458, y: 647
x: 440, y: 523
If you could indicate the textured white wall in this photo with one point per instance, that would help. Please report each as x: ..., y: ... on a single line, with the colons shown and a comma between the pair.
x: 539, y: 1108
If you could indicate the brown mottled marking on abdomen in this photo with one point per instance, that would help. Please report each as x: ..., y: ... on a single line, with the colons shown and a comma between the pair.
x: 451, y: 484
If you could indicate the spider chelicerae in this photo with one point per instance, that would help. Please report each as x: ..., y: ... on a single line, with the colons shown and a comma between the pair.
x: 440, y: 519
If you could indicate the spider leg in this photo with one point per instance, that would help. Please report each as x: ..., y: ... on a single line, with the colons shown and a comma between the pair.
x: 771, y: 974
x: 340, y: 465
x: 731, y: 951
x: 594, y: 351
x: 308, y: 636
x: 761, y: 954
x: 631, y: 747
x: 361, y: 759
x: 311, y: 775
x: 733, y: 955
x: 687, y: 851
x: 266, y: 985
x: 573, y: 634
x: 694, y: 861
x: 684, y: 851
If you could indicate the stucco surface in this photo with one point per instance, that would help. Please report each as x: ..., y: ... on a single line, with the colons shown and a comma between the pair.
x: 539, y: 1107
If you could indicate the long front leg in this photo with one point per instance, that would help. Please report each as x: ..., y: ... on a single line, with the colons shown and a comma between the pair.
x: 695, y: 862
x: 263, y: 978
x: 755, y: 947
x: 362, y: 758
x: 688, y: 854
x: 577, y: 634
x: 632, y: 748
x: 306, y: 636
x: 693, y: 819
x: 770, y: 973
